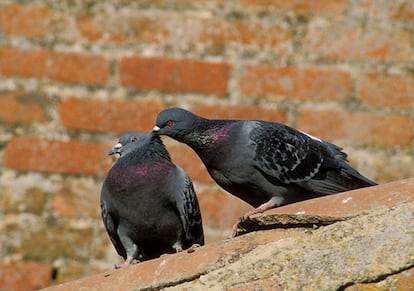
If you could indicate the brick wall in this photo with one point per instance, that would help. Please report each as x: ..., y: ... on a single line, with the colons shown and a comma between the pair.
x: 76, y: 74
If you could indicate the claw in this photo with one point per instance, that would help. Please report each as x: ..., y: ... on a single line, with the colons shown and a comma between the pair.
x: 192, y: 248
x: 129, y: 261
x: 262, y: 208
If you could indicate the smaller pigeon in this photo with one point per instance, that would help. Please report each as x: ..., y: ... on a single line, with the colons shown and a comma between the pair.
x: 266, y: 164
x: 148, y: 204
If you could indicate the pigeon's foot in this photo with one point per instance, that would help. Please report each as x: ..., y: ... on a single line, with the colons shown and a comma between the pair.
x: 178, y: 246
x: 233, y: 230
x: 129, y: 261
x: 192, y: 248
x: 262, y: 208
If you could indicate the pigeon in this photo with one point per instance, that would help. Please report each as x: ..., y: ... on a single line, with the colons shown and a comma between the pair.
x: 148, y: 204
x: 266, y: 164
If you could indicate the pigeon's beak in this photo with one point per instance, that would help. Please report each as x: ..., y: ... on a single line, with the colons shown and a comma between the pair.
x: 116, y: 149
x: 155, y: 129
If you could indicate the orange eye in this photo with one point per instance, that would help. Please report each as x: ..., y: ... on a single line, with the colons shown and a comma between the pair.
x: 134, y: 139
x: 170, y: 122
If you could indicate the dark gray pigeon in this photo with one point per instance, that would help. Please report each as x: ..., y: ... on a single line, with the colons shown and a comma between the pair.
x: 149, y: 206
x: 266, y: 164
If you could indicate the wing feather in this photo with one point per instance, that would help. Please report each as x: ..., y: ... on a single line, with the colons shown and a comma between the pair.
x: 285, y: 153
x: 189, y: 210
x: 110, y: 224
x: 289, y: 156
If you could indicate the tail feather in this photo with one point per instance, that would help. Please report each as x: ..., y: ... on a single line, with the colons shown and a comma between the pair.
x: 359, y: 180
x: 344, y: 177
x: 336, y: 181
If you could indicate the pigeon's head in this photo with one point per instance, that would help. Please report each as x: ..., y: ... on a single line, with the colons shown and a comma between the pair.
x: 129, y: 141
x: 174, y: 122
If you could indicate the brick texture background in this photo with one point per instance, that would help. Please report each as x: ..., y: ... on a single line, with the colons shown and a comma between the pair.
x: 74, y: 75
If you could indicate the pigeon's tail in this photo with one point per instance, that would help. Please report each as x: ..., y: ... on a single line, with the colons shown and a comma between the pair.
x: 358, y: 180
x: 352, y: 179
x: 338, y: 180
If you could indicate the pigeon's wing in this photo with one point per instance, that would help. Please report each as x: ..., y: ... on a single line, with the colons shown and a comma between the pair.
x: 110, y: 225
x: 285, y: 155
x: 188, y: 208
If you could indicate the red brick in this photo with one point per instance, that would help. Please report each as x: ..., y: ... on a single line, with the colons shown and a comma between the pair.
x: 405, y: 280
x: 116, y: 28
x: 240, y: 112
x: 189, y: 30
x: 53, y: 156
x: 113, y: 115
x: 321, y: 7
x: 219, y: 33
x: 25, y: 276
x: 404, y: 10
x: 183, y: 5
x: 16, y: 107
x: 359, y: 127
x: 325, y: 124
x: 60, y: 66
x: 94, y: 29
x: 298, y: 83
x: 176, y: 76
x: 186, y: 158
x: 347, y: 40
x: 27, y: 20
x: 74, y: 199
x: 220, y: 209
x: 388, y: 10
x: 388, y: 90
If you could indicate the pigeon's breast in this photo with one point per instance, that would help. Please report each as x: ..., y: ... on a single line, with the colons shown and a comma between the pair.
x: 134, y: 175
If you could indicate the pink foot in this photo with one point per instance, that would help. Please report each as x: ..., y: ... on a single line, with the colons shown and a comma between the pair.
x: 129, y: 261
x: 262, y: 208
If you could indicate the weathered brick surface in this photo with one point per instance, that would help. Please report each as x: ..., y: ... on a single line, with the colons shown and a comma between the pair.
x: 383, y: 9
x: 32, y: 201
x: 218, y: 34
x: 215, y: 34
x: 123, y: 29
x: 220, y: 209
x: 27, y: 20
x: 81, y: 68
x: 75, y: 198
x: 186, y: 158
x: 299, y: 83
x: 21, y: 107
x: 109, y: 116
x: 384, y: 90
x: 25, y: 276
x: 52, y: 156
x: 175, y: 76
x: 359, y: 127
x: 351, y: 40
x: 56, y: 238
x: 74, y: 75
x: 324, y: 7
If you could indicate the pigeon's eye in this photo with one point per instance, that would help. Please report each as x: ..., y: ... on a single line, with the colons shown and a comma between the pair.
x: 169, y: 122
x: 134, y: 139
